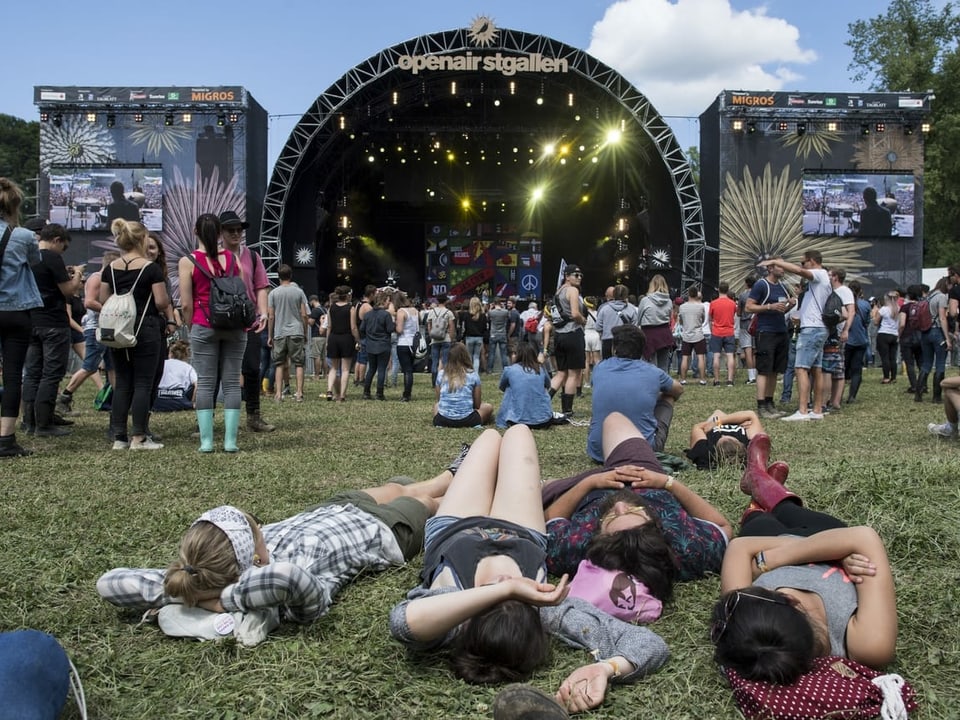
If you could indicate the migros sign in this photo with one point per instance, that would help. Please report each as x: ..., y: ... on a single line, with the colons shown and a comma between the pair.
x: 483, y: 33
x: 753, y: 100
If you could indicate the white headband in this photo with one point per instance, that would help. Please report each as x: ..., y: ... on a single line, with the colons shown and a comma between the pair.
x: 236, y: 527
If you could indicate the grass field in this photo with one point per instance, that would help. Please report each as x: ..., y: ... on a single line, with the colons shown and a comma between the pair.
x: 76, y: 509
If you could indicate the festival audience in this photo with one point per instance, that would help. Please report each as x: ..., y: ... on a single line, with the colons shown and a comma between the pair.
x: 343, y: 340
x: 525, y: 397
x: 655, y: 312
x: 691, y: 318
x: 615, y: 311
x: 458, y: 394
x: 378, y: 325
x: 407, y: 328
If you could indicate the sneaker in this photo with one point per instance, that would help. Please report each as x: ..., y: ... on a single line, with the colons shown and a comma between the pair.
x: 798, y: 417
x: 120, y: 445
x: 51, y: 431
x: 458, y: 461
x: 61, y: 421
x: 683, y: 382
x: 146, y: 444
x: 815, y: 416
x: 945, y: 430
x: 703, y: 382
x: 729, y: 383
x: 751, y: 382
x: 830, y: 408
x: 716, y: 383
x: 524, y: 702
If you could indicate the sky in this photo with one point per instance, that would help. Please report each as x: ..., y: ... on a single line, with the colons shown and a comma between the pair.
x: 679, y: 53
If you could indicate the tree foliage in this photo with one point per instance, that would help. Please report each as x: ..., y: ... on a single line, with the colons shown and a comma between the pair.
x: 693, y: 158
x: 20, y: 155
x: 913, y: 46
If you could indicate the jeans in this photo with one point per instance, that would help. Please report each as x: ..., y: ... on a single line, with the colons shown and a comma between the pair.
x: 405, y: 357
x: 439, y: 350
x: 853, y: 357
x: 44, y: 368
x: 34, y: 675
x: 934, y: 351
x: 250, y: 369
x: 394, y: 360
x: 500, y: 343
x: 787, y: 392
x: 474, y: 345
x: 14, y: 340
x: 220, y: 354
x: 376, y: 363
x: 135, y: 370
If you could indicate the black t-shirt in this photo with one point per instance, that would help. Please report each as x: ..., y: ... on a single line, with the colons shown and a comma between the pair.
x: 125, y: 279
x: 316, y: 314
x: 703, y: 452
x: 474, y: 328
x: 954, y: 294
x: 49, y: 273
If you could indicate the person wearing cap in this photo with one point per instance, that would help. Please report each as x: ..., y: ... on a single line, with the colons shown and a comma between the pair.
x: 570, y: 354
x: 228, y: 562
x: 258, y: 288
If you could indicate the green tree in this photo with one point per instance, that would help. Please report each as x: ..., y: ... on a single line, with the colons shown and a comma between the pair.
x: 693, y: 157
x: 20, y: 156
x: 913, y: 46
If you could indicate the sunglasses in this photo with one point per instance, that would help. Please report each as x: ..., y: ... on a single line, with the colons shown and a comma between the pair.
x: 579, y: 275
x: 612, y: 515
x: 233, y: 231
x: 730, y: 605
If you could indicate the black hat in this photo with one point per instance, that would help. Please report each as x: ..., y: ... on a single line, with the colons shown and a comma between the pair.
x: 229, y: 217
x: 35, y: 224
x: 569, y: 269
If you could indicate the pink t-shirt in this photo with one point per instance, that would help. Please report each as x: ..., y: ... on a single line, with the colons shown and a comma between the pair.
x: 254, y: 273
x: 201, y: 283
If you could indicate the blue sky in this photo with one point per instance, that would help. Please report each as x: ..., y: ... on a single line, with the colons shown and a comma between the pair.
x: 679, y: 53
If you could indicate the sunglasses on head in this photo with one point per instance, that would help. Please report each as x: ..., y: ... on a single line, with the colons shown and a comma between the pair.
x: 731, y: 603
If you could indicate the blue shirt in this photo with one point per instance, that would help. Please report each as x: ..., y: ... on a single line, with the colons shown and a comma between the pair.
x: 857, y: 335
x: 459, y: 404
x: 525, y: 398
x: 631, y: 387
x: 18, y: 286
x: 768, y: 293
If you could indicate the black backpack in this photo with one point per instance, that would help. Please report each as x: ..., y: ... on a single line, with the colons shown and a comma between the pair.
x: 230, y: 308
x: 832, y: 310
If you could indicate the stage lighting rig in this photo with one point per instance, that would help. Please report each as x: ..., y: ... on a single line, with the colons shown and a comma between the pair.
x: 168, y: 119
x: 221, y: 120
x: 138, y: 117
x: 111, y: 120
x: 44, y: 116
x: 58, y: 119
x: 233, y: 118
x: 802, y: 127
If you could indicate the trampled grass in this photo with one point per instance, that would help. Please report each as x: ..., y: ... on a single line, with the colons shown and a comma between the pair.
x: 76, y: 509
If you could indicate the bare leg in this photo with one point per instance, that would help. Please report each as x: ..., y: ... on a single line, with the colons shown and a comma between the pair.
x: 617, y: 428
x: 803, y: 388
x: 471, y: 491
x: 951, y: 397
x: 426, y: 489
x: 517, y: 497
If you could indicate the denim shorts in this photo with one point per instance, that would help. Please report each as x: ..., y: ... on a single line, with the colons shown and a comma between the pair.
x: 722, y: 344
x: 94, y: 352
x: 439, y: 523
x: 832, y: 363
x: 810, y: 347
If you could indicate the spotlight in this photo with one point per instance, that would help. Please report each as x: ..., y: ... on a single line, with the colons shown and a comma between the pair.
x: 168, y: 119
x: 138, y: 117
x: 111, y: 120
x: 832, y: 126
x: 738, y: 124
x: 782, y: 126
x: 570, y: 100
x: 881, y: 127
x: 58, y: 120
x: 233, y: 117
x: 924, y: 127
x: 864, y: 129
x: 802, y: 128
x: 751, y: 127
x: 44, y: 116
x: 908, y: 129
x: 91, y: 117
x: 221, y: 120
x: 187, y: 117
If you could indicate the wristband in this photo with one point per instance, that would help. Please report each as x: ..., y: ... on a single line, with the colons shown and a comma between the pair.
x: 669, y: 483
x: 760, y: 562
x: 172, y: 322
x: 615, y: 665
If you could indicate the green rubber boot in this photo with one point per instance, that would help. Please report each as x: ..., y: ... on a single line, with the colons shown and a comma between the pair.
x: 205, y: 423
x: 231, y: 422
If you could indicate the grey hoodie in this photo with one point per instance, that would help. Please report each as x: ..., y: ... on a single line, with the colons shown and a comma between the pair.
x: 655, y: 309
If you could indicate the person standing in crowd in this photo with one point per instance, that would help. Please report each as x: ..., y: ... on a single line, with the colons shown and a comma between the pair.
x: 813, y: 332
x: 441, y: 326
x: 911, y: 349
x: 499, y: 319
x: 287, y: 322
x: 46, y: 361
x: 886, y: 316
x: 19, y: 295
x: 474, y: 322
x: 858, y: 341
x: 378, y: 325
x: 135, y: 367
x: 217, y: 354
x: 406, y: 328
x: 363, y: 307
x: 770, y: 301
x: 318, y: 335
x: 255, y: 278
x: 178, y: 385
x: 655, y: 312
x: 833, y: 350
x: 723, y: 310
x: 569, y: 349
x: 615, y: 311
x: 342, y: 343
x: 167, y: 326
x: 935, y: 342
x: 514, y: 328
x: 691, y: 317
x: 746, y: 339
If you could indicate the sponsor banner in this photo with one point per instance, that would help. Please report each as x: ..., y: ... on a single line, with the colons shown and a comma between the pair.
x: 734, y: 99
x: 88, y: 95
x: 463, y: 266
x: 507, y: 65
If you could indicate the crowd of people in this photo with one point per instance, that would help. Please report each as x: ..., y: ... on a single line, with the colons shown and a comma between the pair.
x: 615, y: 537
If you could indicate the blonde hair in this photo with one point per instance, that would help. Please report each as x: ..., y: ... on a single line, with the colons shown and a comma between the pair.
x: 206, y: 564
x: 657, y: 284
x: 129, y: 235
x: 180, y: 350
x: 11, y: 197
x: 476, y: 308
x: 459, y: 363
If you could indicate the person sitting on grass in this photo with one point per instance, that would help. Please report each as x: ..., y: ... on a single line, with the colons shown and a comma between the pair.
x: 178, y: 384
x: 227, y: 562
x: 799, y: 584
x: 485, y: 592
x: 950, y: 389
x: 722, y: 439
x: 525, y: 397
x: 458, y: 393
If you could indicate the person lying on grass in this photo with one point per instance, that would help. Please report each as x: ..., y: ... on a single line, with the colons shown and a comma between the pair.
x: 798, y: 585
x: 485, y: 593
x: 228, y: 562
x: 722, y: 439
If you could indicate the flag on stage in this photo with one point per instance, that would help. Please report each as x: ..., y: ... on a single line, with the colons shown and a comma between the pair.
x: 563, y: 266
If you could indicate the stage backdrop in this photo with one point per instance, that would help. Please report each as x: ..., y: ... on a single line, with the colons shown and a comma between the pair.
x: 787, y: 172
x: 159, y: 155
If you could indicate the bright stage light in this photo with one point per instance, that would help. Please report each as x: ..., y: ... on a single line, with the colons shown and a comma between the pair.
x: 549, y: 149
x: 539, y: 101
x: 832, y: 126
x: 168, y: 119
x: 188, y: 117
x: 91, y: 117
x: 614, y: 136
x: 737, y: 124
x: 233, y: 118
x: 465, y: 204
x: 138, y: 118
x: 924, y: 127
x: 496, y: 103
x: 584, y: 198
x: 537, y: 194
x: 44, y: 116
x: 451, y: 157
x: 570, y: 100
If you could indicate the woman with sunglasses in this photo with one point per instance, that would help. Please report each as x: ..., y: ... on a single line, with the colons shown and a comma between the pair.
x: 799, y: 584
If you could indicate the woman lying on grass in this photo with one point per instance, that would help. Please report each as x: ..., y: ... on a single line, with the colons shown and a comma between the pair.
x: 227, y: 562
x: 798, y: 585
x: 484, y: 591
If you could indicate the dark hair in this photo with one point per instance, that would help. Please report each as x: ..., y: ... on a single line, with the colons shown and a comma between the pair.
x: 628, y: 342
x: 856, y: 288
x: 208, y: 231
x: 285, y: 272
x: 442, y: 299
x: 813, y: 256
x: 116, y: 190
x: 840, y: 273
x: 641, y: 551
x: 762, y: 635
x: 915, y: 292
x: 161, y: 253
x: 504, y: 643
x: 869, y: 195
x: 620, y: 292
x: 723, y: 288
x: 527, y: 356
x: 52, y: 231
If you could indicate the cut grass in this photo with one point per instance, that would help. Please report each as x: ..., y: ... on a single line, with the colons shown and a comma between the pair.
x: 76, y: 509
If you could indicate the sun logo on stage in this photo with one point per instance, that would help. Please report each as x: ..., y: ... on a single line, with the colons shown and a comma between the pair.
x: 304, y: 256
x: 482, y: 32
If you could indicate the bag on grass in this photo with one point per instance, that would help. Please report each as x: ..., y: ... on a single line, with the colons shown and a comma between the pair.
x: 835, y: 688
x: 229, y: 308
x: 118, y: 326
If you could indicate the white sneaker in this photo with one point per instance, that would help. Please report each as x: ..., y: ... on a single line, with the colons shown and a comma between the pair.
x: 798, y: 416
x: 945, y: 430
x: 120, y: 445
x: 146, y: 444
x: 815, y: 416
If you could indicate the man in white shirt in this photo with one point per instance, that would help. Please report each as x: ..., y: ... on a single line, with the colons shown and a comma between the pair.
x: 833, y: 376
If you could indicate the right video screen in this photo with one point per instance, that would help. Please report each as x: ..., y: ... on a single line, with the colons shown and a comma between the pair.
x: 869, y: 205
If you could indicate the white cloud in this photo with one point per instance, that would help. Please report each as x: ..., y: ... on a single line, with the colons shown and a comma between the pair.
x: 682, y: 53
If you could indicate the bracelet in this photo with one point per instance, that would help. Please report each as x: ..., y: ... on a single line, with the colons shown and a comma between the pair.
x: 669, y: 483
x: 760, y: 562
x: 615, y: 665
x: 172, y: 322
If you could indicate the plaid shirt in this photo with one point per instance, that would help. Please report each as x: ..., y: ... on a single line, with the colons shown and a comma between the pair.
x: 313, y: 555
x: 698, y: 544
